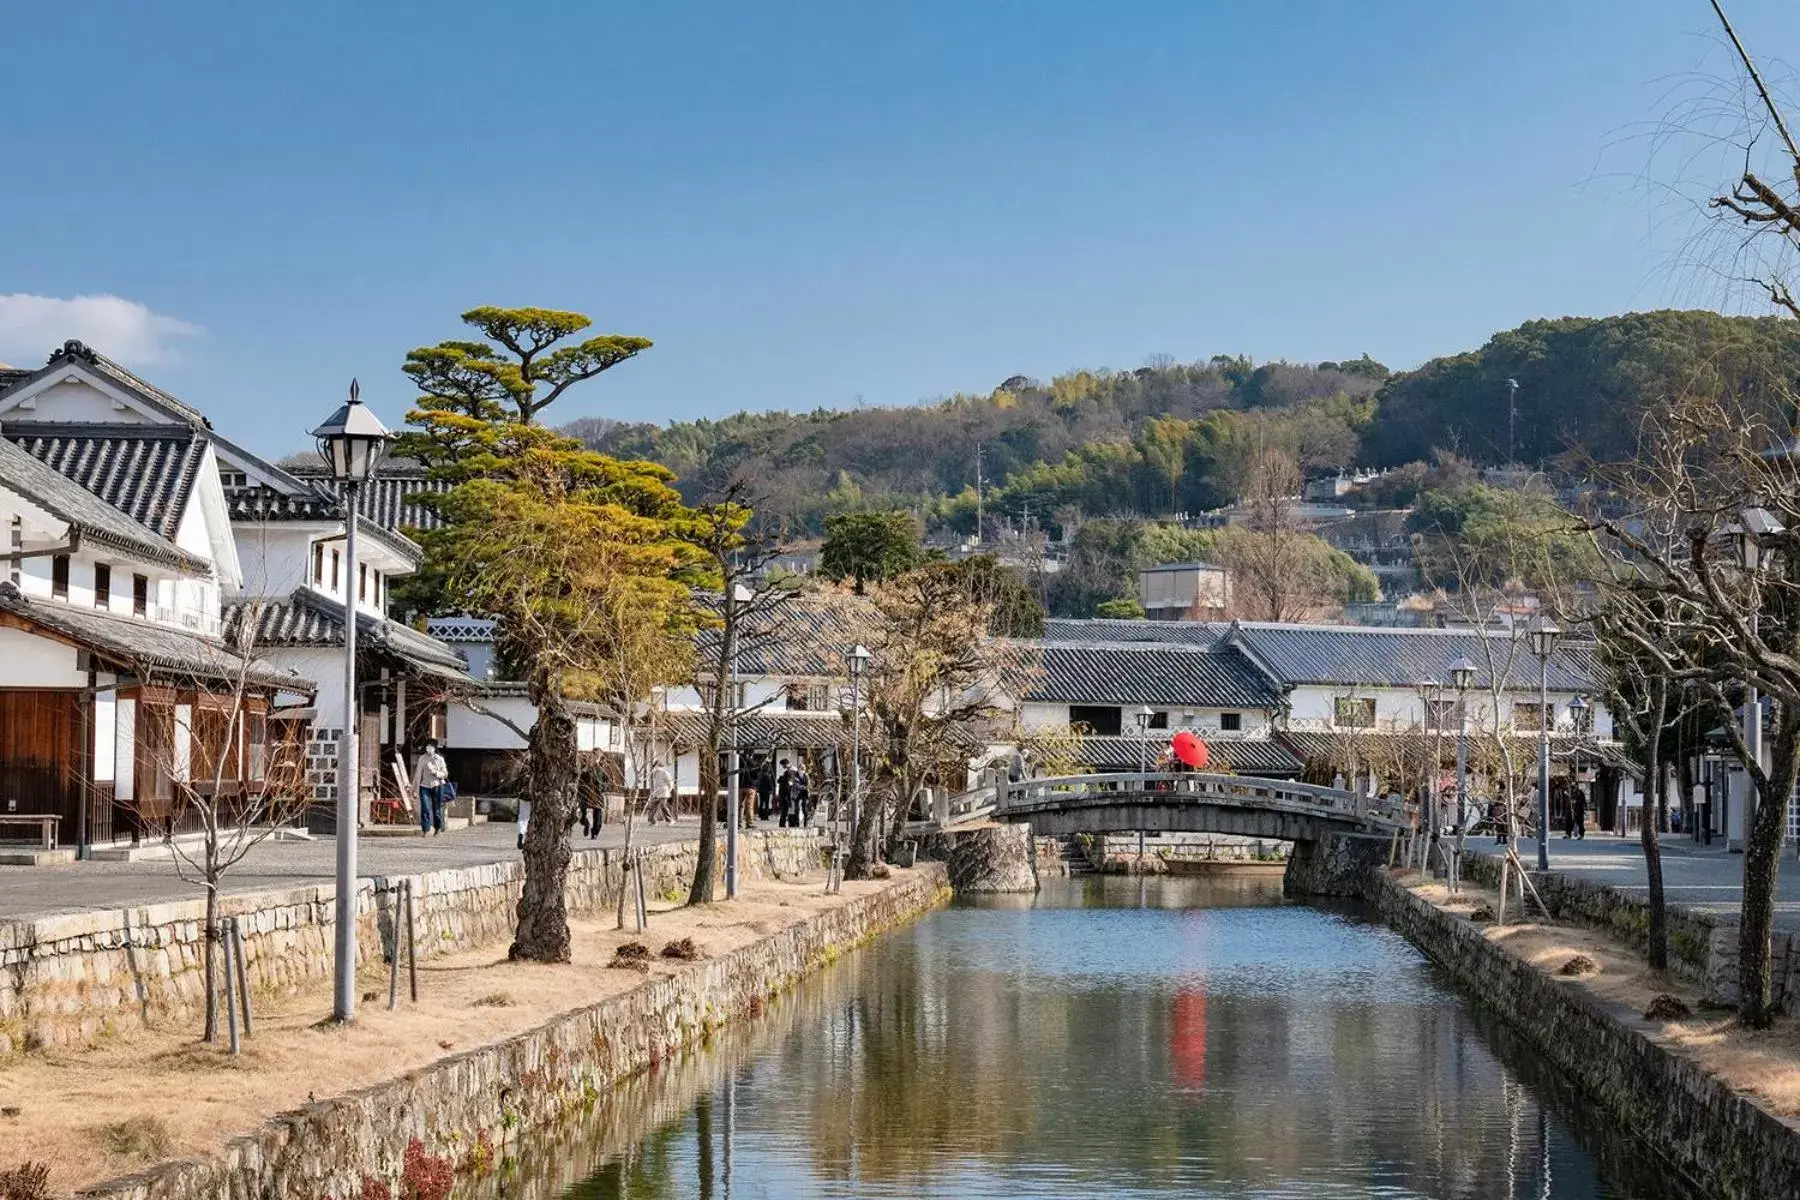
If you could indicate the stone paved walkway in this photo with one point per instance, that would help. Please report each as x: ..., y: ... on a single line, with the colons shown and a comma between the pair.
x: 1708, y: 879
x: 27, y: 892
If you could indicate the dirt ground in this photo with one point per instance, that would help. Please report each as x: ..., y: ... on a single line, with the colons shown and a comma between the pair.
x: 1762, y: 1063
x: 113, y: 1109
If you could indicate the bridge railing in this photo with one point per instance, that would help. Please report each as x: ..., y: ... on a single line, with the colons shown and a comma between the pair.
x: 1242, y: 789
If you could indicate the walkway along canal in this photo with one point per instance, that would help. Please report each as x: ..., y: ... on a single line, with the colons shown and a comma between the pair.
x: 1108, y: 1037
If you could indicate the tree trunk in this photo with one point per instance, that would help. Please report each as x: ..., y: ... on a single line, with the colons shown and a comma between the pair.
x: 1654, y: 803
x: 704, y: 868
x: 211, y: 954
x: 551, y: 779
x: 1762, y: 855
x: 865, y: 838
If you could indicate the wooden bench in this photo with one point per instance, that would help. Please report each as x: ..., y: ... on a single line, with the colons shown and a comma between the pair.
x: 46, y: 823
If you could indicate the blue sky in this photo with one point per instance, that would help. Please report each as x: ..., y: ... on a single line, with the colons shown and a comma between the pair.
x: 812, y: 204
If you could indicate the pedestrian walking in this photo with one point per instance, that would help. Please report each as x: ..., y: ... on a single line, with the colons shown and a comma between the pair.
x: 1578, y: 804
x: 593, y: 811
x: 1015, y: 767
x: 765, y: 789
x: 661, y: 801
x: 430, y: 772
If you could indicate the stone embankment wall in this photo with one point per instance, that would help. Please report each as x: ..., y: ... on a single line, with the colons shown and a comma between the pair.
x: 1725, y: 1144
x: 987, y: 858
x: 67, y: 980
x: 468, y: 1106
x: 1703, y: 948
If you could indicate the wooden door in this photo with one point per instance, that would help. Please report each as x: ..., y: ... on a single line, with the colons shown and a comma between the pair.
x: 40, y: 756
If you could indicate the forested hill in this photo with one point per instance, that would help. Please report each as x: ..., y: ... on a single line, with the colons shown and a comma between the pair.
x: 1173, y: 437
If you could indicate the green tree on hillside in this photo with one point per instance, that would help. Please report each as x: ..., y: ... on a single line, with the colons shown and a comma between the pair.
x: 870, y: 547
x: 530, y: 369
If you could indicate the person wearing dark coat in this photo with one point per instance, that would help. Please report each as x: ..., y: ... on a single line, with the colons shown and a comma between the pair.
x: 784, y: 795
x: 1578, y: 804
x: 765, y: 791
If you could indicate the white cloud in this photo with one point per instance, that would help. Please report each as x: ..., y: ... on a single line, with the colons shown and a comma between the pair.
x: 32, y: 326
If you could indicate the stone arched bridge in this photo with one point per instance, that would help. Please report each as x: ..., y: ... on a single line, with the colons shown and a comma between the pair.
x: 1337, y: 835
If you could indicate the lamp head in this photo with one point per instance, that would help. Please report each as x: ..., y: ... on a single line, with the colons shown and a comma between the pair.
x: 1543, y: 637
x: 352, y: 439
x: 859, y: 659
x: 1462, y: 674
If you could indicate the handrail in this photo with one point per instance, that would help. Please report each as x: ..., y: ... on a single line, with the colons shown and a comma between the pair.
x: 1035, y: 794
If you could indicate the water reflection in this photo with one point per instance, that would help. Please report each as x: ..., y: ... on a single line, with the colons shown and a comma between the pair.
x: 1111, y: 1038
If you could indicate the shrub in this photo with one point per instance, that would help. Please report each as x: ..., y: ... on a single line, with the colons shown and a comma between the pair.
x: 27, y: 1181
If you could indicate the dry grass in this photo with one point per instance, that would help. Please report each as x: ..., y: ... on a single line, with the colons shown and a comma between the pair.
x: 93, y: 1114
x: 1762, y: 1063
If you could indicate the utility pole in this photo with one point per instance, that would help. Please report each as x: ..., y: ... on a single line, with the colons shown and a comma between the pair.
x: 1512, y: 420
x: 978, y: 505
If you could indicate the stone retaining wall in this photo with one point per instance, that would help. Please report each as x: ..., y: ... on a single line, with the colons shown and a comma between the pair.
x: 70, y: 979
x: 1725, y: 1144
x: 470, y: 1105
x: 1703, y: 947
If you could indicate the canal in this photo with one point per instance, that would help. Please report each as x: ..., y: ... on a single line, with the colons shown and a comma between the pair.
x: 1110, y: 1037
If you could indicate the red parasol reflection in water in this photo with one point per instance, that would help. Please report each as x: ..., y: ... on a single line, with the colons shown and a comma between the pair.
x: 1187, y: 1038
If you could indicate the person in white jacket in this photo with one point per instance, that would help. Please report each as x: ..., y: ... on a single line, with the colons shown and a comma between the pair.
x: 430, y: 773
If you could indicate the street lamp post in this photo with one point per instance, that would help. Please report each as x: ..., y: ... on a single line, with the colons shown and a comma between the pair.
x: 740, y: 595
x: 859, y: 662
x: 1755, y: 526
x: 1430, y: 692
x: 1462, y: 675
x: 1145, y: 715
x: 351, y: 442
x: 1579, y: 707
x: 1543, y: 637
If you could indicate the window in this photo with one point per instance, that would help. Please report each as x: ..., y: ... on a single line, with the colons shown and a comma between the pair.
x: 809, y: 697
x: 1105, y: 720
x: 1528, y: 715
x: 233, y: 479
x: 1230, y: 722
x: 319, y: 562
x: 102, y: 586
x: 1354, y: 712
x: 1583, y: 719
x: 59, y: 577
x: 140, y: 596
x: 362, y: 582
x: 1159, y: 720
x: 18, y: 543
x: 334, y: 571
x: 1444, y: 714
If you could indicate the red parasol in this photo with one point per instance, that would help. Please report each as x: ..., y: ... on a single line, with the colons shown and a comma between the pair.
x: 1190, y: 750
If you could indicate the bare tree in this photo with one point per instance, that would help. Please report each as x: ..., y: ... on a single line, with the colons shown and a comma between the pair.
x: 218, y: 784
x: 935, y: 678
x: 742, y: 616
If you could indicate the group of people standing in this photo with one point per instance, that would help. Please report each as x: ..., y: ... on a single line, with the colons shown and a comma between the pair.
x: 783, y: 791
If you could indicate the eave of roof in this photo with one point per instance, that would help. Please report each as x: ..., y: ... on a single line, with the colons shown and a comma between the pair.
x: 145, y: 648
x: 90, y: 516
x: 306, y: 618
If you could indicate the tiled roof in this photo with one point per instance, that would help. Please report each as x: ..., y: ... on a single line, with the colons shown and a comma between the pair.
x: 255, y: 504
x: 306, y: 618
x: 96, y: 521
x: 146, y: 472
x: 385, y: 499
x: 763, y: 729
x: 808, y: 635
x: 1335, y: 747
x: 1106, y: 629
x: 76, y: 353
x: 1133, y: 673
x: 146, y: 648
x: 1382, y: 657
x: 1251, y: 756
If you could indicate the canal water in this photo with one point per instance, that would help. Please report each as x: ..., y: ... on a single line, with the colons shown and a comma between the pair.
x: 1109, y: 1038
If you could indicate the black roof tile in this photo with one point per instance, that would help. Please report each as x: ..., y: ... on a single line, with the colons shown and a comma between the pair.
x: 1133, y: 673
